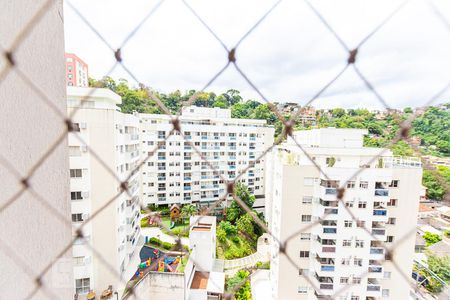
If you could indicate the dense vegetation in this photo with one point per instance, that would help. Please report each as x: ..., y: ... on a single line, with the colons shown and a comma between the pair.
x: 433, y: 127
x: 237, y: 235
x: 241, y: 280
x: 440, y: 266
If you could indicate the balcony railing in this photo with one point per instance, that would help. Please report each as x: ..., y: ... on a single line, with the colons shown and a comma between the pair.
x: 327, y: 268
x: 329, y: 249
x: 329, y: 230
x: 382, y: 192
x: 375, y: 269
x: 331, y: 211
x: 376, y: 250
x: 330, y: 191
x: 373, y: 288
x: 378, y: 231
x: 379, y: 212
x: 326, y: 286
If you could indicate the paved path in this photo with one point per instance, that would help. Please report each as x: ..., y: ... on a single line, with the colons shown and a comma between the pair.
x: 262, y: 254
x: 156, y: 232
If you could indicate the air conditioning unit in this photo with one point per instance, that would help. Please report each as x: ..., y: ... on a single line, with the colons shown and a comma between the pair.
x: 87, y: 260
x: 84, y: 148
x: 85, y: 195
x: 85, y: 217
x: 83, y: 125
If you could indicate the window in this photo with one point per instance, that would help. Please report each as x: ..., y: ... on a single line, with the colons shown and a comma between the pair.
x: 364, y: 184
x: 76, y: 196
x: 302, y: 271
x: 82, y: 285
x: 387, y: 275
x: 385, y: 292
x: 355, y: 297
x: 349, y: 204
x: 343, y: 280
x: 351, y: 185
x: 308, y: 181
x: 392, y: 202
x: 307, y: 199
x: 394, y: 183
x: 391, y: 221
x: 359, y: 244
x: 346, y: 243
x: 302, y: 290
x: 348, y: 224
x: 74, y: 151
x: 77, y: 217
x: 357, y: 262
x: 345, y: 261
x: 362, y: 204
x: 389, y: 239
x: 356, y: 280
x: 78, y: 261
x: 76, y: 127
x: 304, y: 254
x: 75, y: 173
x: 360, y: 224
x: 305, y: 236
x: 306, y: 218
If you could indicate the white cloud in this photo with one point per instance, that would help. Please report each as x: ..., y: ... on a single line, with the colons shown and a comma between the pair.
x: 289, y: 57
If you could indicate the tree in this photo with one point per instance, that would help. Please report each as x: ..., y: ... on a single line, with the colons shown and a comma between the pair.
x: 407, y: 110
x: 228, y: 228
x: 440, y: 266
x: 188, y: 210
x: 235, y: 211
x: 435, y: 190
x: 431, y: 238
x: 245, y: 225
x: 240, y: 279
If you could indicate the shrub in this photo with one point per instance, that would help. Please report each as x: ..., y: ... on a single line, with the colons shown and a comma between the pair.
x: 155, y: 241
x: 236, y: 239
x: 228, y: 227
x: 431, y: 238
x: 167, y: 245
x: 221, y: 235
x: 262, y: 265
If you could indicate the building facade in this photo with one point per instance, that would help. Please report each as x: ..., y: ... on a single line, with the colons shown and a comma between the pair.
x: 76, y: 71
x: 32, y: 234
x: 94, y: 186
x: 332, y: 253
x: 176, y: 173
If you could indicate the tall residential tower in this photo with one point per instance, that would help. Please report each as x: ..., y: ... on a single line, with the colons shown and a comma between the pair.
x: 330, y: 248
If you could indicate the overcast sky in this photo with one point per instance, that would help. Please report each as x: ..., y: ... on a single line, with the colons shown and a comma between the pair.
x: 289, y: 57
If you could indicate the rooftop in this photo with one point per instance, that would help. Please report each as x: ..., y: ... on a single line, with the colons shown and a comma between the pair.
x: 200, y: 280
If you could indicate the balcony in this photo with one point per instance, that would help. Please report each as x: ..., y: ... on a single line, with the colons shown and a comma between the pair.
x: 330, y: 191
x: 330, y: 211
x: 379, y: 234
x: 375, y: 270
x: 377, y: 253
x: 329, y: 249
x: 328, y: 268
x: 331, y: 230
x: 382, y: 192
x: 329, y: 203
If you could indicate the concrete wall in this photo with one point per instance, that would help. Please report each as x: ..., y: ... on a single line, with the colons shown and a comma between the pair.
x: 160, y: 286
x: 27, y: 131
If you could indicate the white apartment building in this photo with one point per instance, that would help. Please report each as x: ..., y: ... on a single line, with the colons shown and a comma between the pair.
x: 114, y: 232
x: 337, y: 255
x: 177, y: 174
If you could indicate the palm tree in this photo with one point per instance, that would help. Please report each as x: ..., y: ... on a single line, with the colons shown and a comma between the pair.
x: 188, y: 210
